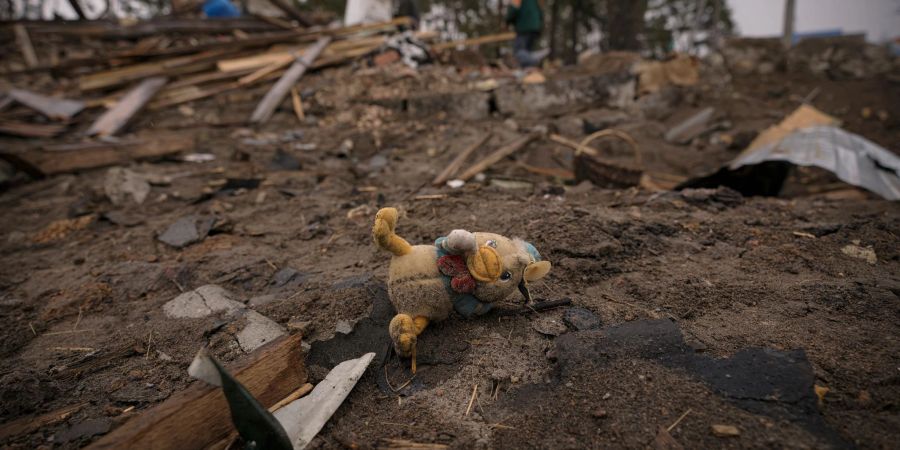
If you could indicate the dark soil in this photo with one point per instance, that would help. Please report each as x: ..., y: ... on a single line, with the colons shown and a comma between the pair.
x: 726, y: 308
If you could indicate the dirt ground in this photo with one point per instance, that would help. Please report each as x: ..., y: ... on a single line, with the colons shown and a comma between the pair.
x: 714, y: 308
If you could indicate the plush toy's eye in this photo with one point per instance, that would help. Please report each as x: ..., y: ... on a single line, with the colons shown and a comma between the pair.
x: 505, y: 276
x: 491, y: 243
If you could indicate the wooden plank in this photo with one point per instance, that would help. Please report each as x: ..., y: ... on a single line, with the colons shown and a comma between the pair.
x: 257, y: 61
x: 116, y: 117
x: 52, y: 107
x: 286, y: 56
x: 123, y: 75
x: 31, y: 130
x: 489, y: 39
x: 25, y: 45
x: 201, y: 78
x: 499, y: 154
x: 83, y: 156
x: 27, y: 425
x: 199, y: 416
x: 273, y: 98
x: 195, y: 95
x: 459, y: 160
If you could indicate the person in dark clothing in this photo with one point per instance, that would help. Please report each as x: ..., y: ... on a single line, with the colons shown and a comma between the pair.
x: 527, y: 20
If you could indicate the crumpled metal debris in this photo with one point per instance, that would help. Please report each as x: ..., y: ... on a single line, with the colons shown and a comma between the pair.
x: 851, y: 157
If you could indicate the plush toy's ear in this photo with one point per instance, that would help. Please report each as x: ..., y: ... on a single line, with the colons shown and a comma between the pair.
x: 537, y: 270
x: 461, y: 241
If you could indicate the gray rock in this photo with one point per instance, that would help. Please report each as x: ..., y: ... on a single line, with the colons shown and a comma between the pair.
x: 259, y: 330
x: 343, y: 327
x: 202, y: 302
x: 122, y: 183
x: 186, y: 231
x: 578, y: 319
x: 287, y: 276
x: 548, y: 325
x: 261, y: 300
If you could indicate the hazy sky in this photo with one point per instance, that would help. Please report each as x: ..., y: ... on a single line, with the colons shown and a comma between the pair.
x: 880, y: 19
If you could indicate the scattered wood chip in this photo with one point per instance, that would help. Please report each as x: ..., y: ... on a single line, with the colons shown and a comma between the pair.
x: 804, y: 234
x: 821, y: 391
x: 725, y: 430
x: 298, y: 105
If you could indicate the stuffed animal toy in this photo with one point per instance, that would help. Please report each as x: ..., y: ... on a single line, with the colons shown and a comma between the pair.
x: 466, y: 272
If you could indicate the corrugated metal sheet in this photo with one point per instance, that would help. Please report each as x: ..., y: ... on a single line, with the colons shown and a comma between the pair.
x: 851, y: 157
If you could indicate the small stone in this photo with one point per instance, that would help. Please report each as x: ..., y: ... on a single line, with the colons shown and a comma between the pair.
x: 120, y: 184
x: 548, y: 325
x: 455, y: 184
x: 725, y: 430
x: 259, y: 330
x: 579, y: 319
x: 607, y: 396
x: 343, y: 327
x: 186, y: 231
x: 513, y: 379
x: 201, y: 302
x: 162, y: 356
x: 599, y: 413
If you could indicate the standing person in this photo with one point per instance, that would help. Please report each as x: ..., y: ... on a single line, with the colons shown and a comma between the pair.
x: 527, y: 19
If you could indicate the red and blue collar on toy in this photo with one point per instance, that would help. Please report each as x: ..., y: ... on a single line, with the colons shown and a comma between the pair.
x: 460, y: 284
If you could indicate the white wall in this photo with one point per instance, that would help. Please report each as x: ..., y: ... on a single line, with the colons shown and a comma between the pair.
x: 879, y: 19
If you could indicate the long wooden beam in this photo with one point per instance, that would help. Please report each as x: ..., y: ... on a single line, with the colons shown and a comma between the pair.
x: 273, y: 98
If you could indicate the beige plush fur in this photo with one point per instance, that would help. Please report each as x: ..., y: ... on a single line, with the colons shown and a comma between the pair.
x: 416, y: 285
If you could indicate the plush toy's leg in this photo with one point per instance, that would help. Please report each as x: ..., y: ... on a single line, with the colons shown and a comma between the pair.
x: 403, y: 332
x: 420, y: 322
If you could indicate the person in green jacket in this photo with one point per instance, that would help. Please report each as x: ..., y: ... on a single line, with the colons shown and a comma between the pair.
x: 527, y: 19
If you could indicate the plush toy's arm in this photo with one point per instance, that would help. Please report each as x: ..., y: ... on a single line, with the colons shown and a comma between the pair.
x: 460, y: 242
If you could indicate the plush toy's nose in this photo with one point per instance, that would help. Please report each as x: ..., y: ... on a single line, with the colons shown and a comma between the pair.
x: 484, y: 265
